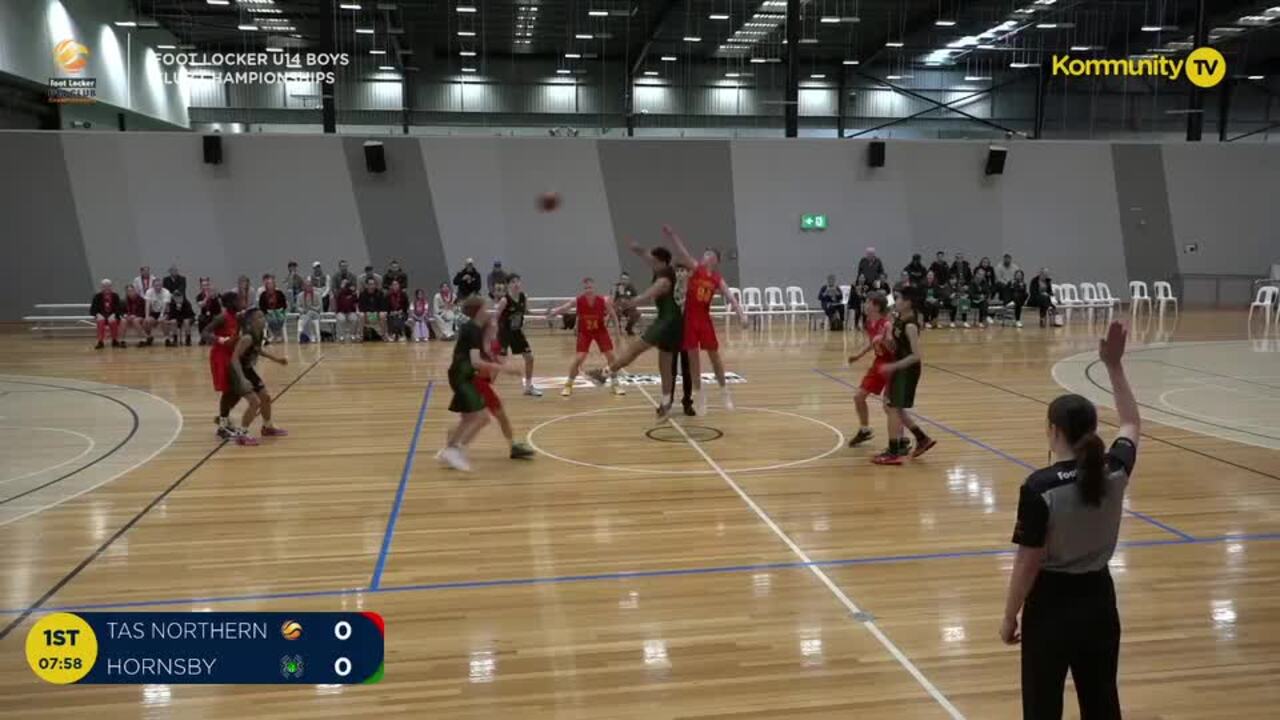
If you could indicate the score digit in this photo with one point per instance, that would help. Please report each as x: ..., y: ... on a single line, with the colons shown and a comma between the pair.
x: 342, y: 667
x: 342, y: 630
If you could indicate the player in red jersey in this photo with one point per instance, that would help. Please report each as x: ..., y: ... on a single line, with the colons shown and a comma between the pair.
x: 878, y: 326
x: 486, y: 376
x: 592, y: 310
x: 699, y: 330
x: 222, y: 333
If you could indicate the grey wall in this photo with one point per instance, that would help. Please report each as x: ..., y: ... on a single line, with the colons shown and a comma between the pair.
x: 92, y: 205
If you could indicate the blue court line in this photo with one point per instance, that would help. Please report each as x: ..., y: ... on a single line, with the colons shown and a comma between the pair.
x: 381, y: 565
x: 997, y: 451
x: 624, y: 575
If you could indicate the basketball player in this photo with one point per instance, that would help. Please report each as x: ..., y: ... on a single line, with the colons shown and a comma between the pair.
x: 492, y: 353
x: 699, y: 330
x: 592, y: 310
x: 511, y: 330
x: 666, y: 333
x: 468, y: 401
x: 221, y: 333
x: 873, y: 382
x: 245, y: 381
x: 903, y: 375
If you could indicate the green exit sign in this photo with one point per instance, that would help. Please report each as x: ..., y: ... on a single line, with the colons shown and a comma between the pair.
x: 813, y: 222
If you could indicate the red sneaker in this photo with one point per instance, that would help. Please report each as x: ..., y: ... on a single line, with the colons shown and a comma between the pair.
x: 923, y: 448
x: 887, y: 458
x: 246, y: 439
x: 274, y: 432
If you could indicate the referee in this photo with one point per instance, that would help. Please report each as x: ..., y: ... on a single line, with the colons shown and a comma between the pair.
x: 1068, y: 521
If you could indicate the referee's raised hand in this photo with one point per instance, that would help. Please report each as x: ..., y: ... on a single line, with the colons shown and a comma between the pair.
x: 1111, y: 346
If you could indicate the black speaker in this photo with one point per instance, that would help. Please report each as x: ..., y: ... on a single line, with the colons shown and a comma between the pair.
x: 875, y: 153
x: 375, y: 161
x: 995, y: 160
x: 213, y: 149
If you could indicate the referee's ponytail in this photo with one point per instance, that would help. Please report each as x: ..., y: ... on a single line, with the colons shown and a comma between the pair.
x: 1077, y: 419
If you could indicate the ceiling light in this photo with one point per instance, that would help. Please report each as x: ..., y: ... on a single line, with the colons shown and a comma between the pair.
x: 247, y: 27
x: 718, y: 16
x: 758, y: 60
x: 132, y: 23
x: 733, y: 75
x: 651, y: 73
x: 851, y: 62
x: 1047, y: 26
x: 275, y: 49
x: 468, y: 53
x: 894, y: 44
x: 669, y: 58
x: 1158, y: 28
x: 563, y: 71
x: 218, y: 2
x: 466, y: 8
x: 986, y: 46
x: 598, y: 13
x: 466, y: 33
x: 1257, y: 77
x: 976, y: 78
x: 377, y: 52
x: 468, y: 69
x: 692, y: 38
x: 573, y: 56
x: 364, y: 31
x: 583, y: 36
x: 386, y: 67
x: 944, y: 23
x: 166, y: 47
x: 1023, y: 65
x: 829, y: 19
x: 893, y: 77
x: 817, y: 76
x: 348, y: 6
x: 1081, y: 48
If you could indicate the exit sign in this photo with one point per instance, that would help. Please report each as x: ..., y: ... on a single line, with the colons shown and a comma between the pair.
x: 813, y: 222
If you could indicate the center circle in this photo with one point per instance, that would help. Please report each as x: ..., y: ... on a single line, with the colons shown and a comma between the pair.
x: 533, y: 433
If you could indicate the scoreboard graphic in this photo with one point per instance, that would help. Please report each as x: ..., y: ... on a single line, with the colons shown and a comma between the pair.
x: 207, y: 648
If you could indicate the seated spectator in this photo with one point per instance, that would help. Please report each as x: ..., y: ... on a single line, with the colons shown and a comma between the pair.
x: 347, y: 308
x: 181, y: 316
x: 143, y: 281
x: 1006, y: 270
x: 980, y: 291
x: 940, y: 269
x: 443, y: 312
x: 625, y: 290
x: 106, y: 309
x: 1013, y: 293
x: 309, y: 305
x: 916, y: 270
x: 870, y: 266
x: 467, y: 281
x: 395, y: 274
x: 274, y: 305
x: 245, y: 296
x: 904, y: 281
x: 956, y: 297
x: 174, y: 282
x: 831, y: 297
x: 320, y: 282
x: 858, y: 300
x: 1040, y: 295
x: 368, y: 275
x: 397, y: 306
x: 344, y: 275
x: 990, y: 272
x: 135, y: 315
x: 420, y: 316
x: 373, y: 309
x: 292, y: 284
x: 157, y: 299
x: 210, y: 307
x: 932, y: 292
x: 961, y: 269
x: 497, y: 276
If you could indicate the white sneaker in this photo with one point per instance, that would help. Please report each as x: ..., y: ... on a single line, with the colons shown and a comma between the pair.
x: 966, y: 326
x: 727, y: 398
x: 455, y: 459
x: 953, y: 326
x: 981, y: 325
x: 567, y: 390
x: 618, y: 389
x: 700, y: 404
x: 532, y: 391
x: 1018, y: 324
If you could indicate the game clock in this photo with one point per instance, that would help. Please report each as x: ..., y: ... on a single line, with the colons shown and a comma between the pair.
x: 207, y: 648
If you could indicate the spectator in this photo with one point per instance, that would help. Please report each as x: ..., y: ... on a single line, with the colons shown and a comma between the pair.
x: 1014, y: 294
x: 143, y: 281
x: 309, y: 305
x: 181, y: 315
x: 467, y: 281
x: 904, y: 281
x: 624, y: 290
x: 274, y: 305
x: 988, y: 271
x: 932, y: 292
x: 1040, y: 295
x: 135, y: 314
x: 832, y: 299
x: 157, y: 299
x: 320, y: 281
x: 980, y: 291
x: 420, y: 316
x: 347, y: 310
x: 292, y: 284
x: 956, y: 297
x: 174, y: 282
x: 916, y: 270
x: 395, y: 274
x: 246, y: 297
x: 210, y: 307
x: 370, y: 274
x: 497, y: 276
x: 106, y: 310
x: 961, y: 269
x: 1006, y: 270
x: 343, y: 276
x: 858, y: 300
x: 940, y: 269
x: 397, y: 303
x: 870, y: 266
x: 443, y: 311
x: 373, y: 309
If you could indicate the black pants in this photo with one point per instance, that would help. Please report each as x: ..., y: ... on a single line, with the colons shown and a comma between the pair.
x: 680, y: 361
x: 931, y: 308
x: 1070, y: 622
x: 1045, y: 304
x: 855, y: 309
x: 835, y: 316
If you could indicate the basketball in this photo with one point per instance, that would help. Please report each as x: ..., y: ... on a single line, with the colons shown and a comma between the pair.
x: 548, y: 202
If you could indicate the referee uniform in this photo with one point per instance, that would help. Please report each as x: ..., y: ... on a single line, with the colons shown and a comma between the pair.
x: 1069, y: 619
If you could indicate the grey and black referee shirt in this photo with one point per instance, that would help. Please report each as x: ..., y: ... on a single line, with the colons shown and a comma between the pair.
x: 1052, y: 514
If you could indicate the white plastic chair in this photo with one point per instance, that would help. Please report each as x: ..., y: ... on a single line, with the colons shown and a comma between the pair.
x: 1105, y: 296
x: 1266, y: 300
x: 736, y: 294
x: 1091, y: 299
x: 1068, y: 298
x: 1137, y: 295
x: 1164, y: 296
x: 845, y: 292
x: 752, y: 302
x: 773, y: 300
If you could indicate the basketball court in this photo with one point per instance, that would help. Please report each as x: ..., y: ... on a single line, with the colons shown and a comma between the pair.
x: 743, y: 564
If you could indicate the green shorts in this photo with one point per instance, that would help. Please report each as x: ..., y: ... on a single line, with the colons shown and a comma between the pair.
x: 466, y: 397
x: 666, y: 334
x: 901, y: 392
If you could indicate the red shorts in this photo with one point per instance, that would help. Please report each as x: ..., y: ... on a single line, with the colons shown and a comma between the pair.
x: 600, y: 338
x: 873, y: 382
x: 220, y: 368
x: 491, y: 400
x: 700, y: 332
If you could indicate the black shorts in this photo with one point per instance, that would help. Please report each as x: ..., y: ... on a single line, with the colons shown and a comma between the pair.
x: 254, y: 382
x: 155, y: 315
x: 514, y: 342
x: 901, y: 392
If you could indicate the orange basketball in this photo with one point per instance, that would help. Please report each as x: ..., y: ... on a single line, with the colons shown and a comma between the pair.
x: 548, y: 202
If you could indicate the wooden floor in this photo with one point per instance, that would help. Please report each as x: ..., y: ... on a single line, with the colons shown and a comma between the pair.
x: 768, y: 572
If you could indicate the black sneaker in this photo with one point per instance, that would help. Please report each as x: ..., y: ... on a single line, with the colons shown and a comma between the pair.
x: 188, y: 341
x: 663, y: 410
x: 99, y: 346
x: 520, y: 451
x: 688, y: 408
x: 863, y: 435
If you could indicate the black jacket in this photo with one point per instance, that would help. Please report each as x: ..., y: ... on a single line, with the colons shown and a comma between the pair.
x: 916, y: 271
x: 467, y: 281
x: 96, y: 306
x: 941, y: 271
x: 871, y: 268
x: 1038, y: 294
x: 962, y: 270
